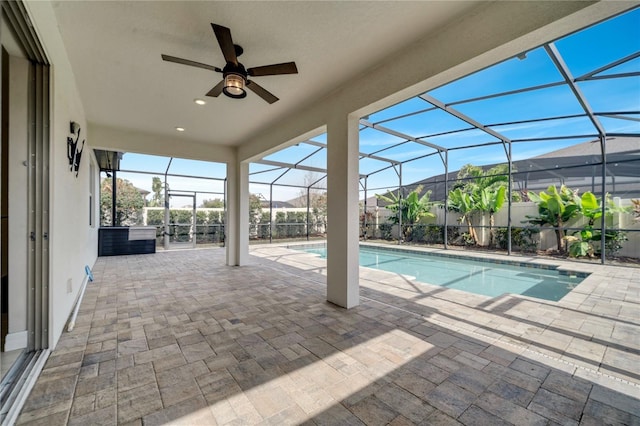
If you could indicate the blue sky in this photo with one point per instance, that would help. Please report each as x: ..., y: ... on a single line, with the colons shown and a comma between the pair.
x: 583, y: 52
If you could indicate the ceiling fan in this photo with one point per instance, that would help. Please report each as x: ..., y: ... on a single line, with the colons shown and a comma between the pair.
x: 235, y: 76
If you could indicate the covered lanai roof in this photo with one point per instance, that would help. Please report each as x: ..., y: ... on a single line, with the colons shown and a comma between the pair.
x: 545, y: 109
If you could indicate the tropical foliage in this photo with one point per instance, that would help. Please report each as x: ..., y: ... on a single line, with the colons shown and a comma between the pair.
x: 555, y: 208
x: 589, y: 239
x: 490, y: 201
x: 409, y: 210
x: 462, y: 203
x: 479, y: 191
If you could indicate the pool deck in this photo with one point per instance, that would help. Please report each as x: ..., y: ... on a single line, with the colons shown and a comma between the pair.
x: 178, y: 337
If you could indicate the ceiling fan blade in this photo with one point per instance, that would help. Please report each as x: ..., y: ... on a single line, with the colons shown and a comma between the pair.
x: 261, y: 91
x: 190, y: 63
x: 217, y: 89
x: 223, y: 34
x: 275, y: 69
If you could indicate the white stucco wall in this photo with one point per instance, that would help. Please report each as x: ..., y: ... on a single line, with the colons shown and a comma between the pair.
x: 73, y: 242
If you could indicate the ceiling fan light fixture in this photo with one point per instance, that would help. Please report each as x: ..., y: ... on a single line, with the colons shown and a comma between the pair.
x: 234, y: 86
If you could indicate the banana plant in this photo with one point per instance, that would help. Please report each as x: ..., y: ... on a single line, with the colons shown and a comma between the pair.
x: 464, y: 204
x: 490, y: 201
x: 591, y: 209
x: 411, y: 209
x: 555, y: 208
x: 479, y: 190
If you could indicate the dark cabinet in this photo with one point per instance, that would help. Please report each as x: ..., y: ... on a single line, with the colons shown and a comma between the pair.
x: 120, y: 240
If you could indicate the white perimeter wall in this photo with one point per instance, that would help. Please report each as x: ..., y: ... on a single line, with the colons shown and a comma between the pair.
x: 73, y: 242
x: 519, y: 213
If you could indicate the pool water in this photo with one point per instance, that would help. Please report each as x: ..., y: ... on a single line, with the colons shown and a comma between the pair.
x: 473, y: 276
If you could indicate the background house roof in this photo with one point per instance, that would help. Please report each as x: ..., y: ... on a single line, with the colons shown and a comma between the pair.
x: 577, y: 166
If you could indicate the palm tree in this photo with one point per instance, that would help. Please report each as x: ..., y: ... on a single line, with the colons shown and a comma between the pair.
x: 471, y: 178
x: 157, y: 188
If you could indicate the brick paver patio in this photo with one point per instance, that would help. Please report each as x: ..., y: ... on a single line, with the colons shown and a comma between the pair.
x: 179, y: 338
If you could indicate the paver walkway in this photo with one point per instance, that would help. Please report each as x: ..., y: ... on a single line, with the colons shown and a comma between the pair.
x: 179, y: 338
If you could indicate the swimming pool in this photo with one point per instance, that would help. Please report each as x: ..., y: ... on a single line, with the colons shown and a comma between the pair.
x: 474, y: 276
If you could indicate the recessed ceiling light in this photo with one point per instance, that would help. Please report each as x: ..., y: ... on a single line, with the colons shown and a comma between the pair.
x: 180, y: 129
x: 199, y: 101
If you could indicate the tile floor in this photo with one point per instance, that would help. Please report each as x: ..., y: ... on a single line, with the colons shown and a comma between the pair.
x: 179, y: 338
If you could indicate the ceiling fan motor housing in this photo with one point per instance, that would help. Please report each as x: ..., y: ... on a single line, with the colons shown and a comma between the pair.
x: 232, y: 68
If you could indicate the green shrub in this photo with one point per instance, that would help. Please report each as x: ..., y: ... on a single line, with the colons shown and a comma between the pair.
x: 215, y: 217
x: 467, y: 239
x: 434, y: 234
x: 385, y: 231
x: 155, y: 217
x: 613, y: 241
x: 417, y: 233
x: 524, y: 238
x: 201, y: 217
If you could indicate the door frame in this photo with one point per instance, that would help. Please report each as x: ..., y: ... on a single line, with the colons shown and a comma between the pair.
x: 17, y: 384
x: 193, y: 218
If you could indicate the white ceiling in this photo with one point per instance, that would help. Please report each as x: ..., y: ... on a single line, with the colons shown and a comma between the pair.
x: 114, y: 48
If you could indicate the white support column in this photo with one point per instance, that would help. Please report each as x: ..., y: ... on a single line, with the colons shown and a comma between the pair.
x: 237, y: 220
x: 343, y: 287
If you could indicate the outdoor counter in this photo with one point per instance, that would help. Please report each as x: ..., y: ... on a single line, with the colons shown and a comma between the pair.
x: 121, y: 240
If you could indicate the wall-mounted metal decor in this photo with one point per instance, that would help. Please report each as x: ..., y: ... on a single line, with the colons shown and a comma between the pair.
x: 73, y: 154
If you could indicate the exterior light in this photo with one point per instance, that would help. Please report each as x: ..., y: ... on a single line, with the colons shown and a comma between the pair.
x: 180, y: 129
x: 199, y: 101
x: 234, y: 86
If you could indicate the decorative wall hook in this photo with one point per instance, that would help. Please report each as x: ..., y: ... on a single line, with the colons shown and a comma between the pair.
x: 73, y: 154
